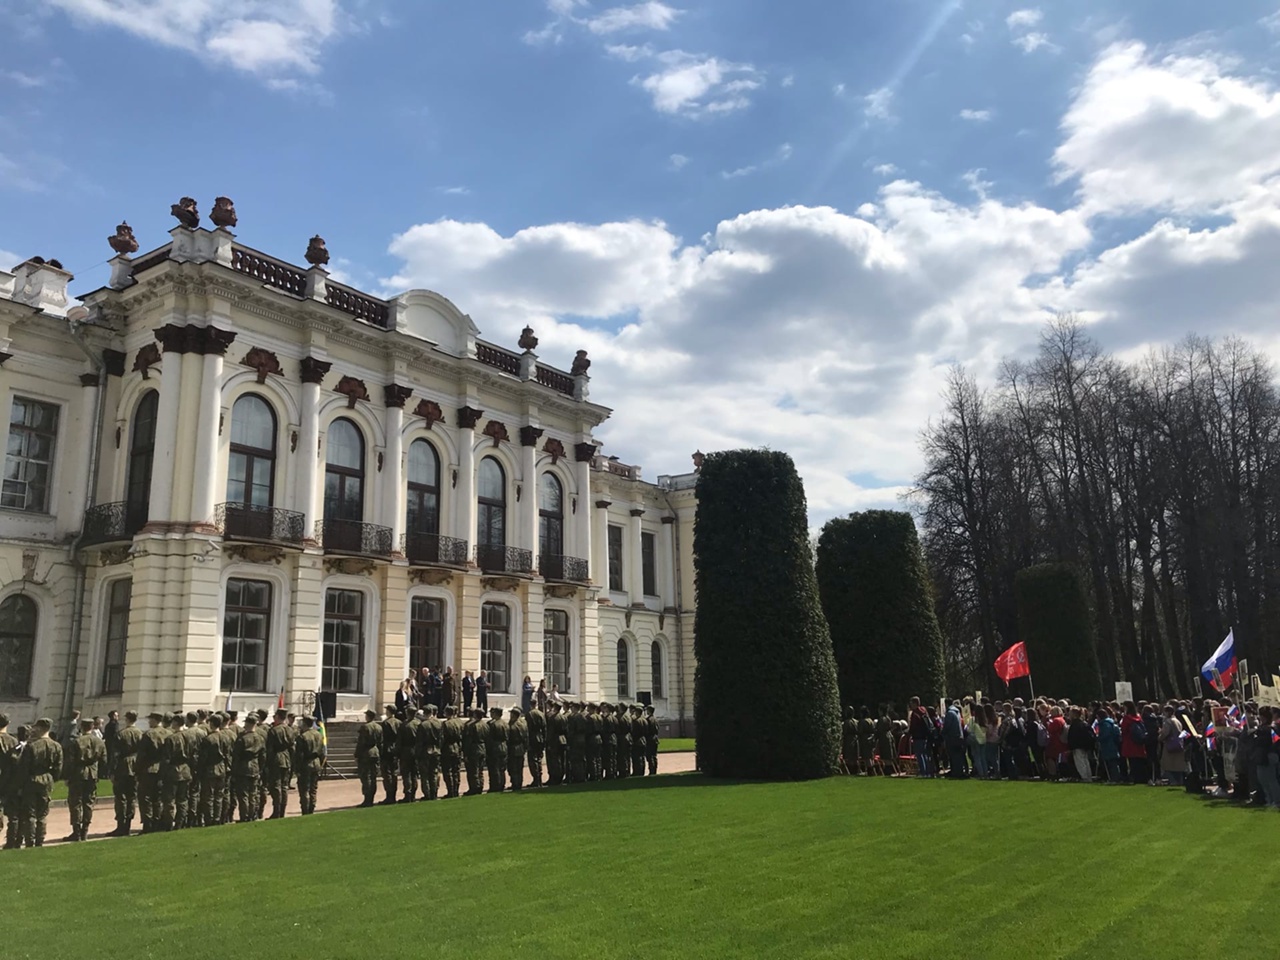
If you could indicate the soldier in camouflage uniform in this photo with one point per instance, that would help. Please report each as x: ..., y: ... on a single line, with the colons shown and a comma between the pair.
x: 148, y: 769
x: 517, y: 747
x: 407, y: 750
x: 368, y: 752
x: 652, y: 752
x: 279, y: 763
x: 8, y: 783
x: 623, y: 726
x: 124, y: 777
x: 430, y: 738
x: 473, y: 751
x: 308, y: 764
x: 213, y: 764
x: 557, y: 745
x: 577, y: 725
x: 389, y: 757
x: 246, y: 768
x: 83, y: 757
x: 175, y: 776
x: 495, y: 748
x: 261, y: 799
x: 537, y: 723
x: 195, y: 732
x: 39, y: 764
x: 639, y: 740
x: 451, y: 752
x: 608, y: 742
x: 595, y: 742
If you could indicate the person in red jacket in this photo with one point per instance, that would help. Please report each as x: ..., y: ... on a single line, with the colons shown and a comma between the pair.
x: 1133, y: 745
x: 1055, y: 743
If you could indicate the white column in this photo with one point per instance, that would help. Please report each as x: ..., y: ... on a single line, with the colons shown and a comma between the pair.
x: 528, y: 511
x: 635, y: 576
x: 308, y: 455
x: 667, y: 558
x: 392, y: 475
x: 582, y: 519
x: 166, y: 447
x: 600, y: 553
x: 205, y: 477
x: 464, y: 492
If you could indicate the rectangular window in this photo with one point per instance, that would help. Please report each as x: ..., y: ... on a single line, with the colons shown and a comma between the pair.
x: 495, y: 645
x: 343, y: 641
x: 615, y: 558
x: 555, y: 648
x: 246, y: 629
x: 28, y: 459
x: 648, y: 565
x: 426, y: 634
x: 119, y: 596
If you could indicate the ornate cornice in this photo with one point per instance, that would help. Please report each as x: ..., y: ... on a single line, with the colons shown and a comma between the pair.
x: 497, y: 431
x: 529, y: 436
x: 429, y: 411
x: 194, y: 339
x: 637, y: 513
x: 603, y: 504
x: 313, y: 370
x: 584, y: 452
x: 396, y: 395
x: 556, y: 450
x: 354, y: 389
x: 264, y: 362
x: 468, y: 417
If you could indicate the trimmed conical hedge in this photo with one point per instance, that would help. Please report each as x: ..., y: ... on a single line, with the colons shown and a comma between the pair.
x: 765, y: 696
x: 877, y: 601
x: 1055, y: 623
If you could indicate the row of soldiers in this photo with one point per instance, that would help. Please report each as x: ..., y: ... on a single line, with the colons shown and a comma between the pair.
x: 184, y: 770
x: 581, y: 742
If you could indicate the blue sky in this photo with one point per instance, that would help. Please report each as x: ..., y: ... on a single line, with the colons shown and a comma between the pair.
x: 771, y: 224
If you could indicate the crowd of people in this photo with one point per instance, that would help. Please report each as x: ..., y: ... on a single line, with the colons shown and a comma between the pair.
x: 207, y: 768
x: 1230, y: 749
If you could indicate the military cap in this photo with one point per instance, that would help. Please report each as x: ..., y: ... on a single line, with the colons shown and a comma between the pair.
x: 4, y: 719
x: 516, y: 710
x: 86, y: 725
x: 431, y: 708
x: 370, y: 714
x: 155, y: 715
x: 43, y: 722
x: 281, y: 712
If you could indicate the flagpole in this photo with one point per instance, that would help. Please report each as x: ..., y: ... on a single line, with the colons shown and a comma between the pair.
x: 1033, y: 687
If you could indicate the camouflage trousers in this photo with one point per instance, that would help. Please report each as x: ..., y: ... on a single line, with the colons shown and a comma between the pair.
x: 637, y: 759
x: 213, y: 799
x: 247, y: 791
x: 609, y: 759
x: 555, y: 764
x: 594, y: 769
x: 125, y: 789
x: 409, y: 776
x: 390, y: 768
x: 81, y: 795
x: 10, y: 808
x: 277, y: 780
x: 497, y: 771
x: 577, y: 763
x: 429, y: 771
x: 451, y: 770
x: 475, y: 773
x: 623, y: 759
x: 535, y: 766
x: 368, y: 770
x: 515, y: 768
x: 308, y: 781
x: 652, y: 757
x: 34, y: 812
x: 149, y: 800
x: 175, y: 797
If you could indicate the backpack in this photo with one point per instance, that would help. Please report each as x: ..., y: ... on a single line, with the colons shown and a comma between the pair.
x: 1138, y: 733
x: 1042, y: 735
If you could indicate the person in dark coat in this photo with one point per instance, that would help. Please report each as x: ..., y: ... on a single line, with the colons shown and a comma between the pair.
x: 448, y: 689
x: 468, y: 692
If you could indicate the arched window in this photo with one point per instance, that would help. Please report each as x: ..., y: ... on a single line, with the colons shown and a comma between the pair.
x: 142, y: 454
x: 344, y: 472
x: 251, y: 467
x: 491, y: 497
x: 624, y: 669
x: 655, y: 660
x: 550, y: 516
x: 18, y: 616
x: 422, y: 515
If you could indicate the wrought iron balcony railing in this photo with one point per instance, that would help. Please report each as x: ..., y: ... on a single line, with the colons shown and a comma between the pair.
x: 499, y: 559
x: 247, y: 521
x: 431, y: 548
x: 562, y: 569
x: 354, y: 537
x: 112, y: 522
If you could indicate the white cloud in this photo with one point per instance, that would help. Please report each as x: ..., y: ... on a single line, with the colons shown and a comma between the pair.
x: 1180, y: 134
x: 1024, y: 18
x: 977, y: 116
x: 692, y: 85
x: 456, y: 191
x: 885, y: 169
x: 628, y: 52
x: 780, y: 156
x: 1271, y: 22
x: 678, y: 161
x: 268, y: 38
x: 1031, y: 42
x: 788, y: 81
x: 27, y: 81
x: 879, y: 104
x: 643, y: 16
x: 838, y: 90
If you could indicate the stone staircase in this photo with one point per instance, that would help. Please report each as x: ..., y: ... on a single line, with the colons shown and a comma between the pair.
x: 342, y: 749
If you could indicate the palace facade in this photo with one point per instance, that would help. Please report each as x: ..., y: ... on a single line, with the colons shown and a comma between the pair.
x: 227, y: 475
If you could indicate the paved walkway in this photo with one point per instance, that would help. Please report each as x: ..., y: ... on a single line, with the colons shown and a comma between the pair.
x: 332, y: 795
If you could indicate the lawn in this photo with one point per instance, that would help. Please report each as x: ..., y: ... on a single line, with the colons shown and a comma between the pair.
x: 677, y: 745
x: 59, y: 791
x: 678, y: 866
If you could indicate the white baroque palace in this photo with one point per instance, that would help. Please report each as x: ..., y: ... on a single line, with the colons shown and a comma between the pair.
x: 226, y: 475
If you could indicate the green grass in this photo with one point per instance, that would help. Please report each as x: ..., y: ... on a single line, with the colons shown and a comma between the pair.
x: 678, y: 866
x: 60, y: 790
x: 677, y: 745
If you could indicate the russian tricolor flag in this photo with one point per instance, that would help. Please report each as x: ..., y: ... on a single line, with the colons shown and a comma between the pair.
x: 1220, y: 669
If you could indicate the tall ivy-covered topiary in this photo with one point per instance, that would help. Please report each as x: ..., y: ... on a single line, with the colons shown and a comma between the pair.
x: 765, y: 696
x: 878, y: 604
x: 1055, y: 623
